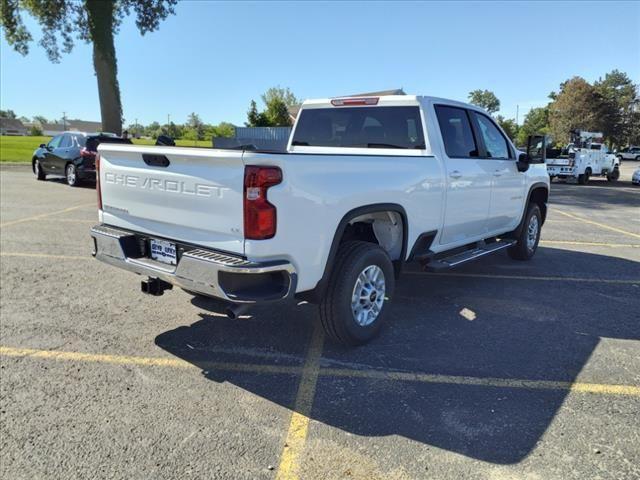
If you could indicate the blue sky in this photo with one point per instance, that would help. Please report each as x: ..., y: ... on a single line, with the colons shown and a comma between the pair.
x: 213, y: 58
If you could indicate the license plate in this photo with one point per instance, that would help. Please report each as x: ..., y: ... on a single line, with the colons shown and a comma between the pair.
x: 163, y: 251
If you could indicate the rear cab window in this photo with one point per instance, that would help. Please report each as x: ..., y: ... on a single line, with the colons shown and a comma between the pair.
x: 379, y: 127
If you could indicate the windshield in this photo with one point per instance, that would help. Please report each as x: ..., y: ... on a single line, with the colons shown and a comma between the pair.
x: 360, y: 127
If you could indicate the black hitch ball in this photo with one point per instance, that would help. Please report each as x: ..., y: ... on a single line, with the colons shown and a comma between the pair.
x: 154, y: 286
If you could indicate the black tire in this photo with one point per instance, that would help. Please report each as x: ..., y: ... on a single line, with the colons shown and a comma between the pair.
x: 71, y: 174
x: 338, y: 319
x: 37, y: 170
x: 584, y: 178
x: 613, y: 176
x: 638, y: 158
x: 523, y: 249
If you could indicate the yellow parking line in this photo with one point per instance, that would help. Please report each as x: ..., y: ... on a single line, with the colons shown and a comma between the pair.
x: 46, y: 255
x: 310, y: 372
x: 44, y: 215
x: 601, y: 225
x: 599, y: 388
x: 590, y: 244
x: 524, y: 277
x: 144, y: 361
x: 299, y: 423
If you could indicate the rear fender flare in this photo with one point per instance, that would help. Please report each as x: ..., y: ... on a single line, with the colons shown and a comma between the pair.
x: 316, y: 294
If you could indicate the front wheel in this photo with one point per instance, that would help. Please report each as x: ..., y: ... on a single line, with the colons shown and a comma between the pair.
x: 37, y: 169
x: 360, y: 286
x: 527, y: 242
x: 71, y: 172
x: 613, y: 176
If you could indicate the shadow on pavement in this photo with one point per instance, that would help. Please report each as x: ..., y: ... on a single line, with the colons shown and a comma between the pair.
x: 519, y: 330
x: 594, y: 195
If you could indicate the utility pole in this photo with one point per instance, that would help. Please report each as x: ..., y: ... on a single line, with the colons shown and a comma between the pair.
x: 135, y: 126
x: 64, y: 121
x: 168, y: 119
x: 517, y: 113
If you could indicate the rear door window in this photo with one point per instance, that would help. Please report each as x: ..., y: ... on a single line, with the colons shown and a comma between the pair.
x: 457, y: 135
x: 360, y: 127
x: 80, y: 140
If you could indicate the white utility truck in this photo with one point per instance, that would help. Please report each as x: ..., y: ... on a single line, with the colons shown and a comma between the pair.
x: 585, y: 157
x: 366, y: 184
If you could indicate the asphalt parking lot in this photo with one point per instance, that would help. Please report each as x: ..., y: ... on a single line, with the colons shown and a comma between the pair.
x: 498, y: 370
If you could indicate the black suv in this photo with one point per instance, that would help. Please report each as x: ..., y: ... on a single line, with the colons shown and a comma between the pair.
x: 72, y: 155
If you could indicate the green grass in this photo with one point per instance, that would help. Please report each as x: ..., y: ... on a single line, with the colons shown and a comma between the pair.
x: 19, y: 149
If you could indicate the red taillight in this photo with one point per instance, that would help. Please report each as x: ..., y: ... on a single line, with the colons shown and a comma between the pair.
x: 259, y: 214
x: 350, y: 102
x: 98, y: 182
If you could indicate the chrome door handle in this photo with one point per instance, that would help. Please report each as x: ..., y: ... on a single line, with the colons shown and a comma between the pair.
x: 455, y: 174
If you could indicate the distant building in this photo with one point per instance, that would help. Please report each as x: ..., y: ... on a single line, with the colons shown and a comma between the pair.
x: 51, y: 129
x: 12, y: 126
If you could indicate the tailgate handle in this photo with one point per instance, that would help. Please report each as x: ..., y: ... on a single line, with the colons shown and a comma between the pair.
x: 155, y: 160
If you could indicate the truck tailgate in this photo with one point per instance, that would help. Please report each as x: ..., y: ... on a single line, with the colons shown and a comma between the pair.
x: 195, y: 197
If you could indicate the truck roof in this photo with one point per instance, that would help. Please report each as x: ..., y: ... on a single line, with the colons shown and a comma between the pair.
x: 389, y: 101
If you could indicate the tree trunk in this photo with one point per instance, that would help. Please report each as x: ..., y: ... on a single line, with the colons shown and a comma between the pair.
x: 101, y: 20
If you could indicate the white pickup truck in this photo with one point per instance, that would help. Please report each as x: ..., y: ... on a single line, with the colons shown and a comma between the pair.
x: 587, y: 156
x: 366, y: 184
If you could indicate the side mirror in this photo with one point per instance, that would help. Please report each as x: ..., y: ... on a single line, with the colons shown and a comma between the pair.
x: 536, y: 152
x: 43, y: 145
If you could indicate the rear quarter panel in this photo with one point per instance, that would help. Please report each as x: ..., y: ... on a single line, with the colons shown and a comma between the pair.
x: 318, y: 190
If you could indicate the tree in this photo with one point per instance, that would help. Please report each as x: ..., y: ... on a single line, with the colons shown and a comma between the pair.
x: 93, y: 21
x: 7, y: 114
x: 485, y: 99
x: 620, y: 97
x: 277, y: 113
x: 40, y: 119
x: 509, y: 126
x: 277, y: 101
x: 278, y: 93
x: 195, y: 125
x: 578, y: 105
x: 35, y: 131
x: 255, y: 118
x: 536, y: 122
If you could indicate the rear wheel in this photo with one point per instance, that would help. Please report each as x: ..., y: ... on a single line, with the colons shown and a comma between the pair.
x: 527, y: 242
x: 584, y: 178
x: 361, y: 283
x: 37, y: 170
x: 613, y: 176
x: 71, y: 172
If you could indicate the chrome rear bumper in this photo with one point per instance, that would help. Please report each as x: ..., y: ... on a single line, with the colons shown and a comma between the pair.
x: 199, y: 270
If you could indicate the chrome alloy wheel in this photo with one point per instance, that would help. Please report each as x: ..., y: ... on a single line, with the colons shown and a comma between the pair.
x: 533, y: 230
x: 71, y: 174
x: 368, y: 295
